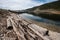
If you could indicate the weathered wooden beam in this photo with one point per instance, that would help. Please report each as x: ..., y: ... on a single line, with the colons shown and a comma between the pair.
x: 9, y: 25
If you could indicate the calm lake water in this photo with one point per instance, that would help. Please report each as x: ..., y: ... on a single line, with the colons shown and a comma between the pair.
x: 39, y: 19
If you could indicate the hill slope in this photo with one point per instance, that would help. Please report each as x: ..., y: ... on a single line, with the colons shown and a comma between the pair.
x: 49, y: 10
x: 53, y: 5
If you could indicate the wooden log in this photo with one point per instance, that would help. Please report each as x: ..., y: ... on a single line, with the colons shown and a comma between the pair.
x: 9, y: 25
x: 25, y: 24
x: 35, y: 31
x: 19, y: 33
x: 7, y: 38
x: 30, y: 38
x: 41, y: 30
x: 23, y: 29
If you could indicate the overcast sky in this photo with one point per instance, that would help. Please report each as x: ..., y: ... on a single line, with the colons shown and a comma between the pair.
x: 21, y: 4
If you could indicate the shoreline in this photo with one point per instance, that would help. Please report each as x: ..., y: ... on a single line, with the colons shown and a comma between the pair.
x: 51, y: 27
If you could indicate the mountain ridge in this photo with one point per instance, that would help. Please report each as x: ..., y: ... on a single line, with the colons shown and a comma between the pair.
x: 49, y: 10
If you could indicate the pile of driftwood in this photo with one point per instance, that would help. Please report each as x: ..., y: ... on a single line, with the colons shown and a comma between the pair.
x: 26, y: 30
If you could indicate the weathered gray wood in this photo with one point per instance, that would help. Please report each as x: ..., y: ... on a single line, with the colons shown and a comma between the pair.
x: 26, y: 30
x: 44, y: 38
x: 18, y: 32
x: 7, y: 38
x: 9, y: 25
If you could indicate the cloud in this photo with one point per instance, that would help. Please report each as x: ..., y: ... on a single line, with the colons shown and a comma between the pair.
x: 18, y: 4
x: 44, y: 1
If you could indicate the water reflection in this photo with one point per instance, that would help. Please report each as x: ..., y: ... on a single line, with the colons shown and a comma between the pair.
x: 39, y: 19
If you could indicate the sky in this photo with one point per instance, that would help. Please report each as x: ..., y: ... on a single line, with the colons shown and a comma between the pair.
x: 21, y: 4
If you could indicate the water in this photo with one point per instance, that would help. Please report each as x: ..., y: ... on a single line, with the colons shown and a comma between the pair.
x: 39, y: 19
